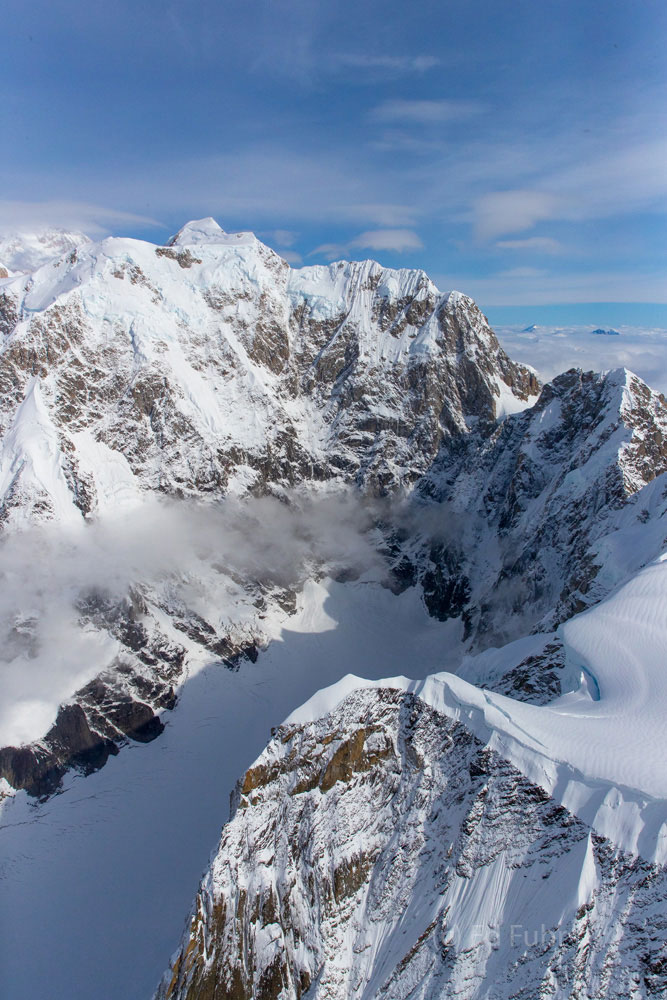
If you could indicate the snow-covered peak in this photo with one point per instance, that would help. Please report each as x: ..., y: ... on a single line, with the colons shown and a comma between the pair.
x: 200, y: 232
x: 219, y: 325
x: 26, y: 251
x: 593, y: 748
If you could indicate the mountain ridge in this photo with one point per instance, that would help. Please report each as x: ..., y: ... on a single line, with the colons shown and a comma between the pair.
x: 205, y: 433
x: 134, y: 369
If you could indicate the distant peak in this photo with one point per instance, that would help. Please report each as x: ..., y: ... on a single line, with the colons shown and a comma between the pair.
x: 202, y: 231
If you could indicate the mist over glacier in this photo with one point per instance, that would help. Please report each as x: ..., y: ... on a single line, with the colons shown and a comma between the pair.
x: 204, y: 555
x: 49, y: 572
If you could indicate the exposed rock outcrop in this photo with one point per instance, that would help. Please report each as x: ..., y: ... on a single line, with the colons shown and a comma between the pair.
x: 384, y: 852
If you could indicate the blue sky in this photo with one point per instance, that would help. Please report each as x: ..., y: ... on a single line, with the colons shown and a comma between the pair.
x: 516, y: 150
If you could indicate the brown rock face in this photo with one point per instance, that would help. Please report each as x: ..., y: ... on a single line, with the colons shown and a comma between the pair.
x: 535, y: 495
x: 69, y: 743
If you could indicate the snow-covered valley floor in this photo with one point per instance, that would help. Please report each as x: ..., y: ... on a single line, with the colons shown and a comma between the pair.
x: 95, y: 883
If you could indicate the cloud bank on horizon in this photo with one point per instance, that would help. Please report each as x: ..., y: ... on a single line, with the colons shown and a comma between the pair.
x: 553, y: 349
x: 514, y: 151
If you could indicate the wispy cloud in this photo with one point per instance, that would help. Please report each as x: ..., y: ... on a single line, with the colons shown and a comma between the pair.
x: 274, y: 183
x: 404, y: 139
x: 393, y: 240
x: 425, y: 112
x: 501, y: 212
x: 330, y: 251
x: 399, y: 240
x: 393, y: 64
x: 283, y: 237
x: 292, y: 257
x: 94, y: 220
x: 538, y: 244
x: 616, y: 180
x: 608, y: 183
x: 534, y: 287
x: 523, y: 272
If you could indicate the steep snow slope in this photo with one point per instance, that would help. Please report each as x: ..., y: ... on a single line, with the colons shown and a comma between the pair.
x: 402, y: 839
x: 596, y: 749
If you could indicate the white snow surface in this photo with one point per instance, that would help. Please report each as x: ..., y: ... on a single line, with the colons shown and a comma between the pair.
x: 26, y: 251
x: 31, y: 450
x: 207, y: 231
x: 600, y: 749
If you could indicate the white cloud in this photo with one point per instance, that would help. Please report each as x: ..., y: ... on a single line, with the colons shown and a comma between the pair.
x: 607, y: 183
x: 391, y: 64
x: 94, y: 220
x: 283, y: 237
x: 292, y: 257
x: 396, y: 240
x: 406, y: 140
x: 553, y: 349
x: 426, y: 112
x: 523, y: 272
x: 190, y: 551
x: 388, y: 239
x: 544, y: 288
x: 615, y: 181
x: 281, y: 240
x: 501, y: 212
x: 272, y: 182
x: 330, y: 251
x: 539, y: 244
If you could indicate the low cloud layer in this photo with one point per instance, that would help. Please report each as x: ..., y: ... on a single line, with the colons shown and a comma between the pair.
x: 552, y: 350
x: 46, y: 573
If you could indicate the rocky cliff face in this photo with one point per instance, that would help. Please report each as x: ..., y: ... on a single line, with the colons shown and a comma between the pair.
x: 206, y: 369
x: 532, y: 501
x: 384, y: 851
x: 215, y: 367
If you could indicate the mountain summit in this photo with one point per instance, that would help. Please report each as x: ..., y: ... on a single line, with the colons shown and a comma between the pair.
x: 206, y: 231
